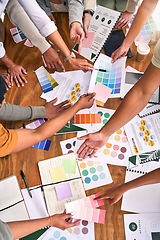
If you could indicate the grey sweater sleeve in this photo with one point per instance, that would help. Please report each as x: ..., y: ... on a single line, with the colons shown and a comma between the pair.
x: 15, y: 112
x: 75, y: 8
x: 46, y: 6
x: 5, y: 231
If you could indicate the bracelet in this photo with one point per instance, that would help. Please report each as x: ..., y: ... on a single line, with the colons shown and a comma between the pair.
x: 72, y: 55
x: 88, y: 11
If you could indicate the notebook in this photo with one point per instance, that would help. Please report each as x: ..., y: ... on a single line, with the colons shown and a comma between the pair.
x: 101, y: 25
x: 12, y: 206
x: 62, y: 181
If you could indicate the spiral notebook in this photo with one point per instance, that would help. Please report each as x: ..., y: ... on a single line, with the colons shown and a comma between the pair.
x: 149, y: 109
x: 101, y: 25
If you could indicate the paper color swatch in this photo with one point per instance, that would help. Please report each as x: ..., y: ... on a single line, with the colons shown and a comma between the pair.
x: 86, y: 118
x: 94, y: 174
x: 58, y: 174
x: 17, y: 35
x: 28, y: 43
x: 46, y: 81
x: 87, y: 42
x: 63, y: 191
x: 102, y: 92
x: 44, y: 145
x: 57, y: 234
x: 84, y: 231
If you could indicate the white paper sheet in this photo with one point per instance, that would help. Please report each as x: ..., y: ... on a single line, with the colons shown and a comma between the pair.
x: 142, y: 226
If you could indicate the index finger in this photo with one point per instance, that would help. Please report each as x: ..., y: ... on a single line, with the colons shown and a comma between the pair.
x: 100, y: 197
x: 61, y: 66
x: 62, y: 103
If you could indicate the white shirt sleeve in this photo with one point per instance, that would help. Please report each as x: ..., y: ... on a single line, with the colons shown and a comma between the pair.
x: 2, y: 50
x: 38, y: 17
x: 156, y: 55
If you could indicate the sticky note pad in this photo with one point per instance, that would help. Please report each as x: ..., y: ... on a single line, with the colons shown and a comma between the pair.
x: 87, y: 42
x: 63, y: 191
x: 69, y: 165
x: 102, y: 92
x: 58, y: 174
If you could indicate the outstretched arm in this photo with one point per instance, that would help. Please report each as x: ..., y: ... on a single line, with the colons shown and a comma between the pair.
x: 29, y: 137
x: 114, y: 194
x: 144, y: 12
x: 132, y: 104
x: 22, y: 228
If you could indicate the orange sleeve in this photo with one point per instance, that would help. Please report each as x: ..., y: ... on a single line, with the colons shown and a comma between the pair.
x: 8, y: 140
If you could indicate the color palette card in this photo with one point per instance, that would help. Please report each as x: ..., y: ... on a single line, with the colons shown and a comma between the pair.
x: 143, y: 133
x: 102, y: 92
x: 56, y: 234
x: 83, y: 231
x: 114, y: 77
x: 68, y: 146
x: 72, y: 128
x: 28, y: 43
x: 71, y: 86
x: 89, y: 212
x: 46, y: 81
x: 45, y: 144
x: 101, y: 25
x: 89, y: 118
x: 62, y: 182
x: 17, y: 35
x: 142, y: 226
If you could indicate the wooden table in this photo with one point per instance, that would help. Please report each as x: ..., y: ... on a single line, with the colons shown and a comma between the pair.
x: 30, y: 58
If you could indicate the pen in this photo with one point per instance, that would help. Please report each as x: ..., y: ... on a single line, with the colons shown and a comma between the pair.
x: 24, y: 126
x: 100, y: 70
x: 25, y: 181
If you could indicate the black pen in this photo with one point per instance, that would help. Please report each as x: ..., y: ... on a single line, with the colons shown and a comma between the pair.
x: 100, y: 70
x: 25, y: 181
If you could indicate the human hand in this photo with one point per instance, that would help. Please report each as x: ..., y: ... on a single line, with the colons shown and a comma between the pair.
x: 86, y: 22
x: 86, y: 100
x: 16, y: 73
x: 80, y: 64
x: 77, y: 34
x: 125, y: 18
x: 6, y: 78
x: 54, y: 110
x: 93, y: 141
x: 63, y: 221
x: 113, y: 194
x: 52, y: 59
x: 120, y: 52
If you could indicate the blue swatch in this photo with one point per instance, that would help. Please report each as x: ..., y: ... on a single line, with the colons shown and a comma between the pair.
x: 44, y: 145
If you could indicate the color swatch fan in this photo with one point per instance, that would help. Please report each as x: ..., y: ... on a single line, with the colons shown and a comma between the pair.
x: 114, y: 77
x: 46, y: 81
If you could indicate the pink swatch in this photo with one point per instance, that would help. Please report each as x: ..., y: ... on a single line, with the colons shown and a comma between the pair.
x: 102, y: 92
x: 28, y: 43
x: 87, y: 42
x: 44, y: 61
x: 13, y: 30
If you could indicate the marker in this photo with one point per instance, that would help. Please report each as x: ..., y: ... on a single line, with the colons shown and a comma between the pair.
x: 100, y: 70
x: 24, y: 126
x: 25, y: 181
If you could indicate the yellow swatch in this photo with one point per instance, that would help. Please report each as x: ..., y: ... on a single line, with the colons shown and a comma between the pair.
x: 51, y: 79
x: 58, y: 174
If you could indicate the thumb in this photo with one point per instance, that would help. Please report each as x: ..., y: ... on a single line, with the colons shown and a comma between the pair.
x: 83, y: 137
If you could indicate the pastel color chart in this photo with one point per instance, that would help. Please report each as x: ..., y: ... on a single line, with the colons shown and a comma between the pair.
x: 45, y: 144
x: 56, y: 234
x: 94, y: 174
x: 87, y: 213
x: 146, y: 32
x: 114, y: 76
x: 87, y: 118
x: 114, y: 154
x: 119, y: 137
x: 46, y: 81
x: 75, y: 92
x: 84, y: 231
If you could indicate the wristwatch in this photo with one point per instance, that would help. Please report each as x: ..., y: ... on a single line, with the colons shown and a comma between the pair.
x: 91, y: 12
x: 72, y: 55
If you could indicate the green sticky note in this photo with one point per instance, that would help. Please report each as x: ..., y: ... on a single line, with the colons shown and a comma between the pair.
x: 69, y: 165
